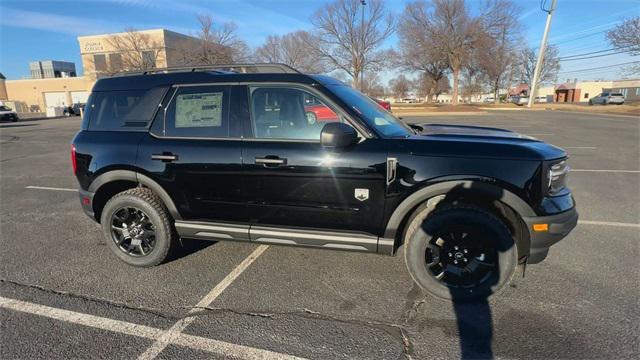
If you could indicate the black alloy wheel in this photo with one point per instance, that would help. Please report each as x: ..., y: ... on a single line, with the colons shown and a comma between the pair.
x: 461, y: 258
x: 133, y: 231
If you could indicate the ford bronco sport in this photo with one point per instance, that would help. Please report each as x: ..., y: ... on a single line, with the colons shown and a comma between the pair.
x: 229, y: 153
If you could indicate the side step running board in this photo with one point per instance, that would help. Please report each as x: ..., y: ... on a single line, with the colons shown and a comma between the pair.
x: 284, y: 236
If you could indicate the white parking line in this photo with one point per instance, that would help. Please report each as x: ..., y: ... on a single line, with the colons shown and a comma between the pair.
x: 608, y: 223
x: 607, y: 171
x: 173, y: 333
x: 49, y: 188
x: 195, y: 342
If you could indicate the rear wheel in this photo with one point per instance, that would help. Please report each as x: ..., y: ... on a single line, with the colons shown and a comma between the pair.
x: 463, y: 253
x: 138, y: 228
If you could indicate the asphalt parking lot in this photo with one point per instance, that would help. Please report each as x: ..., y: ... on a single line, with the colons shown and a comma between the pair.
x: 63, y: 294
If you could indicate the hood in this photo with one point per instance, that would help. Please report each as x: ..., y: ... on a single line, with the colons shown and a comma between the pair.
x: 478, y: 141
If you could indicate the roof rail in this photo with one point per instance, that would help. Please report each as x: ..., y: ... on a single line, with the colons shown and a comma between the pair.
x: 222, y: 69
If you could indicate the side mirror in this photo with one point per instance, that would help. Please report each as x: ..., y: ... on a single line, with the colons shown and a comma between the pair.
x: 338, y: 135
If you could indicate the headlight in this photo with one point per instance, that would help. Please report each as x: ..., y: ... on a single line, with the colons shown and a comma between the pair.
x: 557, y: 176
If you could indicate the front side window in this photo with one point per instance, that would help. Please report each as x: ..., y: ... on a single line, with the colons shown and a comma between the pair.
x: 289, y: 113
x: 198, y: 112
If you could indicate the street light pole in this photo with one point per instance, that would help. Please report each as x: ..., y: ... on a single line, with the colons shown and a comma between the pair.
x: 543, y: 47
x: 363, y: 2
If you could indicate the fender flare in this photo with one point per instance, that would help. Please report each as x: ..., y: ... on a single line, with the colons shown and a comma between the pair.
x: 129, y: 175
x: 407, y: 205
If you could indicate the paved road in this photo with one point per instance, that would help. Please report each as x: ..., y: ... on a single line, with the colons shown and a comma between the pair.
x: 62, y: 293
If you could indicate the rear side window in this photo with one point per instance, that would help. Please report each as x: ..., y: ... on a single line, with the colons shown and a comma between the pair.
x: 198, y: 111
x: 123, y: 110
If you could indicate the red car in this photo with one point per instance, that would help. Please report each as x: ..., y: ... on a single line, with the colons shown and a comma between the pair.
x: 385, y: 104
x: 319, y: 112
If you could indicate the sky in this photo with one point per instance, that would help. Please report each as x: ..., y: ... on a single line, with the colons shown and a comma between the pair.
x: 47, y: 29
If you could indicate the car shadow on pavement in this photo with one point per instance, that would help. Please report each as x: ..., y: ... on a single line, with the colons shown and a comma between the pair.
x: 477, y: 234
x: 187, y: 247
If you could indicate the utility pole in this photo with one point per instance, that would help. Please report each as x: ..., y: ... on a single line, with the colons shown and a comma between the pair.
x: 543, y: 47
x: 363, y: 2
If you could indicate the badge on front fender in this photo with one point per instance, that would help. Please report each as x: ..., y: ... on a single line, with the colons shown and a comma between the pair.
x: 361, y: 194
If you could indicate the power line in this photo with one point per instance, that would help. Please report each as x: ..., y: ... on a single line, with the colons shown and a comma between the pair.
x: 599, y: 67
x: 594, y: 56
x: 595, y: 52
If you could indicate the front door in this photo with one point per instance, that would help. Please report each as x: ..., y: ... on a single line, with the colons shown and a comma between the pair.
x: 292, y: 181
x: 194, y: 152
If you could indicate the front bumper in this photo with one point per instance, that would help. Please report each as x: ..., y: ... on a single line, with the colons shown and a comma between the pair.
x: 559, y: 226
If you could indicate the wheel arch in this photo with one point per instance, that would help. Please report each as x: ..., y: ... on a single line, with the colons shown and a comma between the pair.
x: 502, y: 202
x: 115, y: 181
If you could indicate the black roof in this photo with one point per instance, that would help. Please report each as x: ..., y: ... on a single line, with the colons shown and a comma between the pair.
x: 140, y: 82
x: 209, y: 74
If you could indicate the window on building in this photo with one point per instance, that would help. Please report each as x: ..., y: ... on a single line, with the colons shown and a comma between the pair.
x: 586, y: 95
x: 149, y: 59
x: 115, y: 62
x: 624, y: 92
x: 100, y: 62
x: 638, y: 91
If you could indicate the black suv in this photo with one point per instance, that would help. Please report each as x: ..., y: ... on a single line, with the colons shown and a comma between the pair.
x: 231, y: 154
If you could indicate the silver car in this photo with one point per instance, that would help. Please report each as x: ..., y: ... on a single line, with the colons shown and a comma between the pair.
x: 607, y: 98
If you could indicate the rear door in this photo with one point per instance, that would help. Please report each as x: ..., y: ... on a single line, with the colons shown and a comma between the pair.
x: 194, y: 152
x: 292, y: 181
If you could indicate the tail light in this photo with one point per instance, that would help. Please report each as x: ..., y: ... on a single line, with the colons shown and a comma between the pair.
x: 74, y: 164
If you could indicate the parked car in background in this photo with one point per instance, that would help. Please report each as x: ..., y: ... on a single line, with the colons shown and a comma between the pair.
x: 489, y: 99
x: 75, y: 109
x: 540, y: 99
x: 385, y: 104
x: 8, y: 114
x: 519, y: 100
x: 410, y: 100
x: 315, y: 111
x: 607, y: 98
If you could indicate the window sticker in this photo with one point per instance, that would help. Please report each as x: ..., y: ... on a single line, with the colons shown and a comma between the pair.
x: 199, y: 110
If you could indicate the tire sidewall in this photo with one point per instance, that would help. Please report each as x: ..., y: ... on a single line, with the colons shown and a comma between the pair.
x: 162, y: 232
x: 416, y: 246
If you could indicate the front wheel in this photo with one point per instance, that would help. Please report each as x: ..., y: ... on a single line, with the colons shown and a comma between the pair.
x: 462, y: 253
x: 138, y: 228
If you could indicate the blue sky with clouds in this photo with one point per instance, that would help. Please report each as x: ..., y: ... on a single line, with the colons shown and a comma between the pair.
x: 47, y: 29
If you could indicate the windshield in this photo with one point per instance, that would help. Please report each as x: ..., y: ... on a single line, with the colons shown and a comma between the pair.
x: 373, y: 114
x: 4, y: 108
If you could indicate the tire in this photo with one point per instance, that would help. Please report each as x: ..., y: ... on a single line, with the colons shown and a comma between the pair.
x: 160, y: 236
x: 438, y: 275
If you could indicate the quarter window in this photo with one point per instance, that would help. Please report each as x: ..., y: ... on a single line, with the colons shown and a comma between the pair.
x: 198, y: 112
x: 123, y: 110
x: 289, y: 113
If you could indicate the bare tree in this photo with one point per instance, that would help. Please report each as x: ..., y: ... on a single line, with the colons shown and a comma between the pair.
x: 371, y: 85
x: 295, y: 49
x: 496, y: 47
x: 550, y: 65
x: 218, y: 44
x: 349, y: 37
x: 626, y: 36
x: 454, y: 33
x: 430, y: 89
x: 418, y: 50
x: 400, y: 86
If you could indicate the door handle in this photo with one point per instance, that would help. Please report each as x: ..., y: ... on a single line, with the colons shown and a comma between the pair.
x: 164, y: 157
x: 271, y: 160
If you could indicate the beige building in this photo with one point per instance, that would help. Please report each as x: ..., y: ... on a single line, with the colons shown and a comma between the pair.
x: 102, y: 55
x: 105, y: 55
x: 579, y: 91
